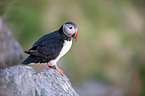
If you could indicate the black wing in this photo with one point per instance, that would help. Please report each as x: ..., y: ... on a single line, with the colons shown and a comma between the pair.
x: 43, y: 39
x: 51, y: 48
x: 45, y: 52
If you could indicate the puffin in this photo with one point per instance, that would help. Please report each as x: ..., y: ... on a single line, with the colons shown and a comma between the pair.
x: 52, y: 46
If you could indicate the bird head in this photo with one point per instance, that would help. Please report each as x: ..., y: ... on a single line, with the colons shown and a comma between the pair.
x: 70, y: 29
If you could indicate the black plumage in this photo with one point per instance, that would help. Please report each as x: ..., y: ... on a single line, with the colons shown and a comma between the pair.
x: 46, y: 48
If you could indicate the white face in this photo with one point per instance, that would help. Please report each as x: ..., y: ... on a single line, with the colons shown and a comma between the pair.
x: 69, y: 29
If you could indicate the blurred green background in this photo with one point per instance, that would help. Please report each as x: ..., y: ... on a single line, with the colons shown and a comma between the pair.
x: 109, y: 55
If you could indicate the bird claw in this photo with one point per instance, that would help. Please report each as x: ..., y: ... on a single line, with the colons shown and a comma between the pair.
x: 57, y: 68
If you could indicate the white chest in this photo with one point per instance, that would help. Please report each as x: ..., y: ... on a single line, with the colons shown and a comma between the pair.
x: 66, y: 47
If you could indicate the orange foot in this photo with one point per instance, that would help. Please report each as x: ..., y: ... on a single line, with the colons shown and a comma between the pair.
x: 50, y: 65
x: 57, y: 68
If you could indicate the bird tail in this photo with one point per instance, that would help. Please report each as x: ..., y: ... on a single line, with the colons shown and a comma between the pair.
x: 30, y: 59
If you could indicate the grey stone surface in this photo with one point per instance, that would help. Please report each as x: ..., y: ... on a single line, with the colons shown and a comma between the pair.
x: 10, y: 51
x: 23, y: 81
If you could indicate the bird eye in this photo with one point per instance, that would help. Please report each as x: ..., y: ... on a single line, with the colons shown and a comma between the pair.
x: 70, y: 28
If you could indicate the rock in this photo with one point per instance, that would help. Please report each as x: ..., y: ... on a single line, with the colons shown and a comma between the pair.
x: 23, y: 81
x: 10, y: 51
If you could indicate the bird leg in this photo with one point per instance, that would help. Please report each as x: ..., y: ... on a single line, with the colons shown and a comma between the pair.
x: 57, y: 68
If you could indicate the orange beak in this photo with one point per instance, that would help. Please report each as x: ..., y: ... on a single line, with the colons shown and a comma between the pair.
x: 76, y: 36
